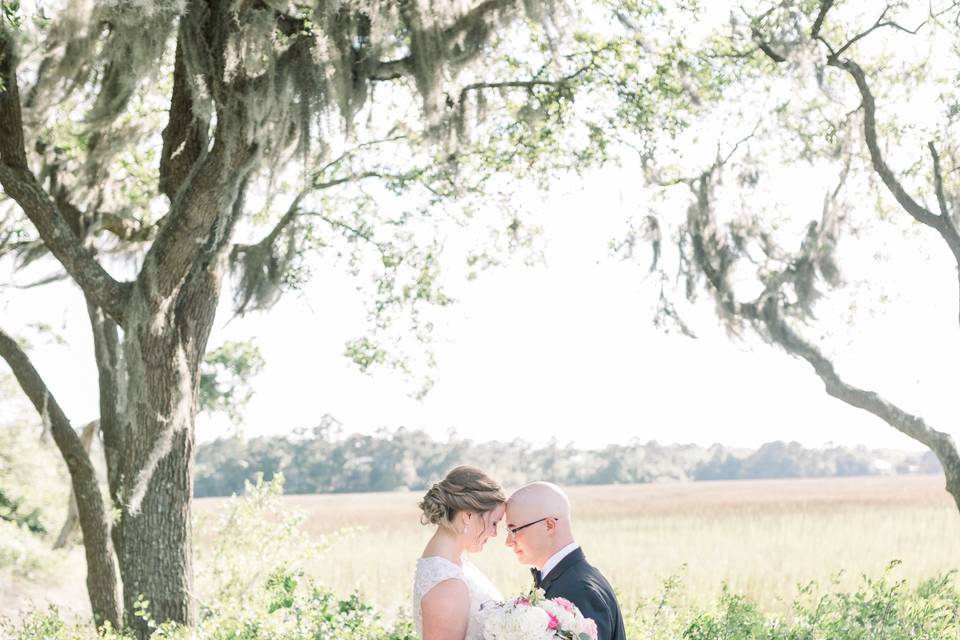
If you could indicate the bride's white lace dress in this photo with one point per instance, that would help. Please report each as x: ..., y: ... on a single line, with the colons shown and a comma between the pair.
x: 433, y: 570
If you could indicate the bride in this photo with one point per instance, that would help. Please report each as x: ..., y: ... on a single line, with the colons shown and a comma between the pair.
x: 448, y: 590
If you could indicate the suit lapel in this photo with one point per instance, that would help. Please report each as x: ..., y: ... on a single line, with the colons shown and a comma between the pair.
x: 574, y: 557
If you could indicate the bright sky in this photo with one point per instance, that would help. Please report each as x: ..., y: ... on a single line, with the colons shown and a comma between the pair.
x: 563, y: 349
x: 567, y: 349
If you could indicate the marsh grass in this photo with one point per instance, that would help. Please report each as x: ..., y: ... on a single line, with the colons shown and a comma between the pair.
x: 764, y: 539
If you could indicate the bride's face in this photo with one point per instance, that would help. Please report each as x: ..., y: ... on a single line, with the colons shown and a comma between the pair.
x: 481, y: 527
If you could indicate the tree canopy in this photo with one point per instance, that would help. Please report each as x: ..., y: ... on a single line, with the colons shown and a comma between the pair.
x: 153, y: 148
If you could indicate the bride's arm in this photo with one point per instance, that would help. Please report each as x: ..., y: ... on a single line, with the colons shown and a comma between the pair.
x: 446, y: 610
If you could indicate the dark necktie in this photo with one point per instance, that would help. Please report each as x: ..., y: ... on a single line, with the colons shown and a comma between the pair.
x: 536, y: 577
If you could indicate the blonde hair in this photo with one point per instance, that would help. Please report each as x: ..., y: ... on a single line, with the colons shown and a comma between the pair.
x: 464, y: 488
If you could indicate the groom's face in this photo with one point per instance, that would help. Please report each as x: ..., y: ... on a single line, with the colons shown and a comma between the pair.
x: 530, y: 544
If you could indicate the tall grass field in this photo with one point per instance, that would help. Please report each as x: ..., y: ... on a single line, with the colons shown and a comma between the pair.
x: 760, y: 538
x: 702, y: 544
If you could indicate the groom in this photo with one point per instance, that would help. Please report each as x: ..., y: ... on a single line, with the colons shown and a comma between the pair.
x: 540, y: 534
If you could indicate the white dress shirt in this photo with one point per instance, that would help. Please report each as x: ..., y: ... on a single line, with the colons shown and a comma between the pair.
x: 556, y: 558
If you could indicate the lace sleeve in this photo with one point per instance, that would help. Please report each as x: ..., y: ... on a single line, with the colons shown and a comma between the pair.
x: 431, y: 572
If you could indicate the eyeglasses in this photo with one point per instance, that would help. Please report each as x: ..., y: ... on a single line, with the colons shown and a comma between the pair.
x: 513, y: 531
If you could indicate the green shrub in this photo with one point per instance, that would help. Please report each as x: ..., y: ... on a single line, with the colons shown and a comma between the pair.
x: 247, y: 540
x: 23, y: 554
x: 882, y: 608
x: 34, y: 483
x: 252, y: 585
x: 294, y: 607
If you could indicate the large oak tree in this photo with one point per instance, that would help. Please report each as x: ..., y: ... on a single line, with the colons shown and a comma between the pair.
x: 139, y: 141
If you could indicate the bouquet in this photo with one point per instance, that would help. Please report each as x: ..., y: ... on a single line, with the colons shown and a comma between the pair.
x: 535, y: 617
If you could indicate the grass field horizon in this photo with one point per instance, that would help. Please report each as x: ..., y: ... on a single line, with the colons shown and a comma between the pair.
x: 763, y: 538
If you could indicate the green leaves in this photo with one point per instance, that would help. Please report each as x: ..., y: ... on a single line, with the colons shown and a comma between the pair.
x: 282, y: 586
x: 10, y: 13
x: 226, y: 377
x: 12, y: 510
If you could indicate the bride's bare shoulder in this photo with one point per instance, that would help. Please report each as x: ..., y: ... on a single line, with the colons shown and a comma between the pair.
x: 446, y: 610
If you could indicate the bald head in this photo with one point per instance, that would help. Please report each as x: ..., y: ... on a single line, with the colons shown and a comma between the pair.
x: 543, y: 498
x: 540, y: 512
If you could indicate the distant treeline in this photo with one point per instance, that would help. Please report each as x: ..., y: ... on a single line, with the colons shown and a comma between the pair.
x: 320, y: 461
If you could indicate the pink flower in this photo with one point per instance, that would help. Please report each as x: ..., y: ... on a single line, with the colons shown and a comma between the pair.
x: 590, y: 627
x: 566, y: 604
x: 554, y: 623
x: 521, y: 600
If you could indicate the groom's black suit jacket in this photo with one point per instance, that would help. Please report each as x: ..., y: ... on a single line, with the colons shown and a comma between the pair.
x: 582, y: 584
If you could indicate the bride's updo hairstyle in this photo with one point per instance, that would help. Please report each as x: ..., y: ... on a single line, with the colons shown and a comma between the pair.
x: 465, y: 488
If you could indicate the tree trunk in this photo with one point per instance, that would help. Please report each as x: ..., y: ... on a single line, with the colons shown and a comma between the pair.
x: 157, y: 468
x: 156, y: 561
x: 102, y: 584
x: 112, y: 382
x: 73, y: 512
x: 163, y: 349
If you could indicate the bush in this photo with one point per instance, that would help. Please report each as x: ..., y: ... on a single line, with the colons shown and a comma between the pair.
x: 293, y: 607
x: 252, y: 585
x: 23, y: 553
x: 251, y: 537
x: 34, y: 483
x: 881, y: 609
x: 296, y: 609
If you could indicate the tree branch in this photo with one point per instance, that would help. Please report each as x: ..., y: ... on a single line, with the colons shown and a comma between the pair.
x: 293, y: 211
x: 879, y: 24
x: 941, y: 223
x: 938, y: 182
x: 468, y: 20
x: 824, y: 7
x: 391, y: 69
x: 765, y: 46
x: 12, y: 152
x: 102, y: 582
x: 185, y: 136
x: 911, y: 206
x: 20, y: 184
x: 126, y: 228
x: 213, y: 190
x: 766, y: 312
x: 915, y: 427
x: 758, y: 36
x: 106, y: 351
x: 382, y: 248
x: 63, y: 243
x: 401, y: 67
x: 89, y: 432
x: 526, y: 84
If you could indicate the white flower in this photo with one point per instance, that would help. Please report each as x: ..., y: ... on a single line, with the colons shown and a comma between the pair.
x: 516, y: 622
x: 566, y: 618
